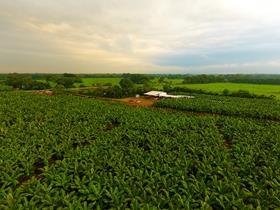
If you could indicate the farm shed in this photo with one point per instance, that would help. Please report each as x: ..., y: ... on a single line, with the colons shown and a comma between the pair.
x: 155, y: 93
x: 161, y: 94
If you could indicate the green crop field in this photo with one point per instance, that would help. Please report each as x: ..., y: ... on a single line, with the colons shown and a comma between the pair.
x: 91, y: 81
x: 173, y: 82
x: 67, y: 152
x: 115, y: 81
x: 232, y: 106
x: 219, y: 87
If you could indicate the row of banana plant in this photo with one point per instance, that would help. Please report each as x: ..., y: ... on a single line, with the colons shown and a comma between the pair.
x: 66, y: 152
x: 231, y: 106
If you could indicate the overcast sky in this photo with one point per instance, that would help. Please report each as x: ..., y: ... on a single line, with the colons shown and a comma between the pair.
x: 151, y: 36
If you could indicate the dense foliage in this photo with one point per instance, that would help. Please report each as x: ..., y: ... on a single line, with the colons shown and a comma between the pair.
x: 39, y: 81
x: 235, y: 78
x: 5, y: 87
x: 100, y: 75
x: 67, y: 80
x: 255, y: 108
x: 25, y: 82
x: 77, y: 153
x: 126, y: 88
x: 138, y: 78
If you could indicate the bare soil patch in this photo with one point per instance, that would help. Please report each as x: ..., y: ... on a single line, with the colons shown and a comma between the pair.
x: 43, y: 92
x: 141, y: 101
x: 228, y: 143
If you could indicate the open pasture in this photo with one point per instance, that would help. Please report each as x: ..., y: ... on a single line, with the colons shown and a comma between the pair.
x: 253, y: 88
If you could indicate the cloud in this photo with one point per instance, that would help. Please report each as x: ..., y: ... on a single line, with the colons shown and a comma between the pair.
x: 138, y: 36
x: 267, y: 67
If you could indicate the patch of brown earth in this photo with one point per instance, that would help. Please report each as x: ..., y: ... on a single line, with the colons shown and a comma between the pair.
x: 139, y: 101
x: 38, y: 168
x: 44, y: 92
x: 228, y: 144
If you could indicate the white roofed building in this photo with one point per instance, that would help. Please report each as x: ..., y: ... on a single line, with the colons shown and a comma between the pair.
x: 156, y: 93
x: 161, y: 94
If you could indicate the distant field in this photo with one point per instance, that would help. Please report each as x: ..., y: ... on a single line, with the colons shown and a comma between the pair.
x: 53, y: 84
x: 115, y: 81
x: 214, y: 87
x: 91, y: 81
x: 219, y: 87
x: 158, y: 85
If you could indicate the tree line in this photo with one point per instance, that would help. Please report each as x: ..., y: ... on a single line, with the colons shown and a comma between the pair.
x: 234, y: 78
x: 129, y: 86
x: 27, y: 82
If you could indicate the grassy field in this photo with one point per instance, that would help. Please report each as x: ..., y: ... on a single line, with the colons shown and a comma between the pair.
x: 158, y: 85
x: 115, y: 81
x: 91, y: 81
x: 219, y: 87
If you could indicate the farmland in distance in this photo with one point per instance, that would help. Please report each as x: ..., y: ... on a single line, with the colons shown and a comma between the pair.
x: 259, y: 89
